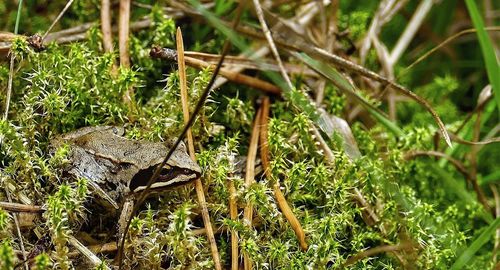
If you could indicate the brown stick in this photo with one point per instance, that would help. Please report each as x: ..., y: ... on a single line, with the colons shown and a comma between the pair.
x: 123, y: 33
x: 233, y: 210
x: 107, y: 39
x: 198, y: 184
x: 165, y: 53
x: 280, y: 197
x: 18, y: 207
x: 123, y: 45
x: 250, y: 177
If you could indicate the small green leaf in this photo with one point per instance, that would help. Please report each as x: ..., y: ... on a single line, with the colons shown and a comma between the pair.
x: 492, y: 65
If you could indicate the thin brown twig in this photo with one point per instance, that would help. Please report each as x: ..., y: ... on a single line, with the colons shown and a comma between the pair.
x: 377, y: 250
x: 18, y: 207
x: 270, y: 42
x: 165, y: 53
x: 484, y: 142
x: 198, y: 184
x: 280, y: 197
x: 444, y: 43
x: 250, y: 177
x: 68, y: 4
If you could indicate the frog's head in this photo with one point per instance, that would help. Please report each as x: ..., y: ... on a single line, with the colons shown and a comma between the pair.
x: 180, y: 169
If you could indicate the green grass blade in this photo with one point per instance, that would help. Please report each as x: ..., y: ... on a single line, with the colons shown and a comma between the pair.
x: 484, y: 238
x: 18, y: 17
x: 492, y: 65
x: 490, y: 178
x: 338, y: 80
x: 217, y: 23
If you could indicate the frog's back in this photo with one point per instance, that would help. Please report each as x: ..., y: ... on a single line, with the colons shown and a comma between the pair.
x: 122, y: 150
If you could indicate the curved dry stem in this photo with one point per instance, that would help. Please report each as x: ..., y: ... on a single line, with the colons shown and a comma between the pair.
x: 280, y: 197
x: 377, y: 250
x: 444, y: 43
x: 466, y: 142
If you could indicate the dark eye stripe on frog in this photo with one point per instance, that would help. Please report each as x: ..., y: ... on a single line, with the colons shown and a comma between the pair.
x: 167, y: 174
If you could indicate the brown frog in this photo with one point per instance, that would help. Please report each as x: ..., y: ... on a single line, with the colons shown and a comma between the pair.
x: 121, y: 166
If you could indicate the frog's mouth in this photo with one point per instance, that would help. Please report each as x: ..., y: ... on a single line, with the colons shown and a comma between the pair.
x: 169, y: 176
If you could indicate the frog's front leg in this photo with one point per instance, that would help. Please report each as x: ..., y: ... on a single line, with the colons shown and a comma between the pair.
x: 125, y: 215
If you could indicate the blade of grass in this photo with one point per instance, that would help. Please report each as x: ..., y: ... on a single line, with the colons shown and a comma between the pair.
x: 217, y: 23
x: 490, y: 59
x: 490, y: 178
x: 482, y: 239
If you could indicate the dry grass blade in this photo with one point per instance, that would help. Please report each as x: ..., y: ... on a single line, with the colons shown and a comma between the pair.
x: 198, y: 184
x: 233, y: 210
x: 183, y: 85
x: 280, y: 198
x: 250, y: 176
